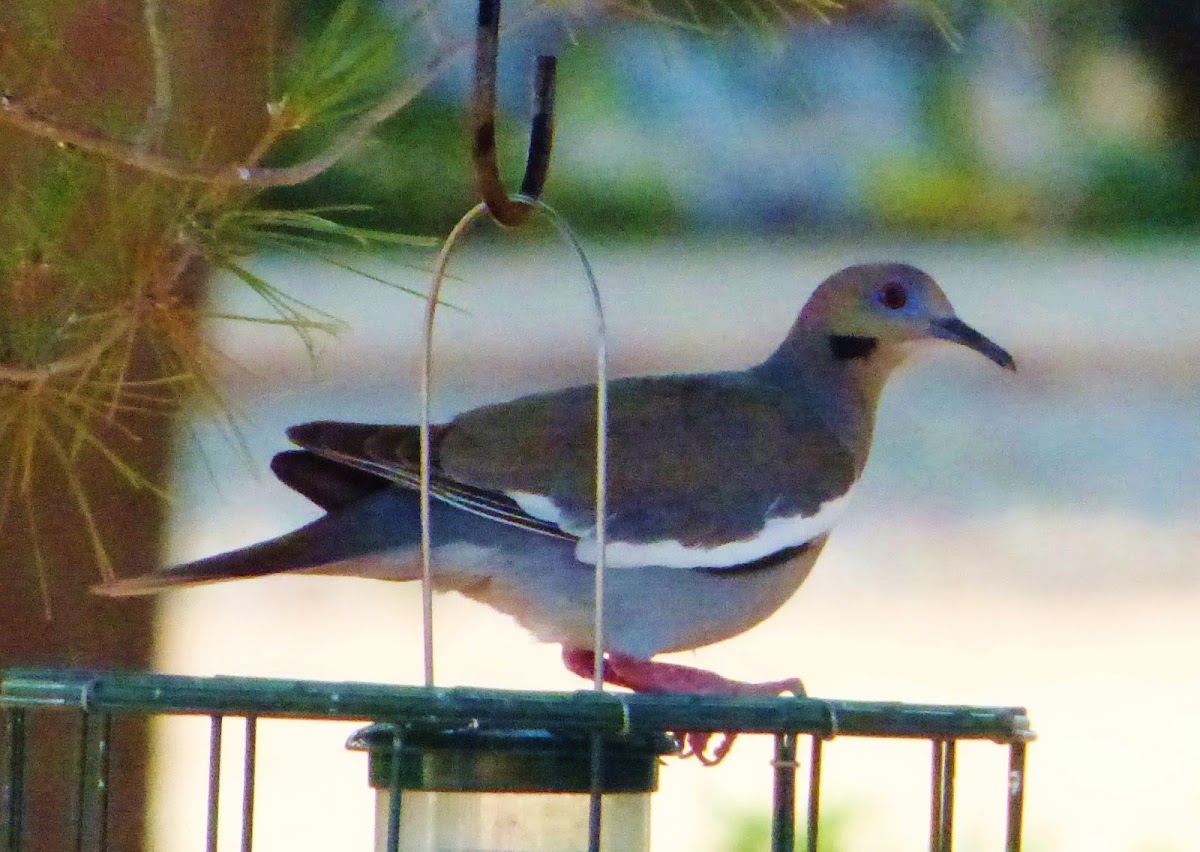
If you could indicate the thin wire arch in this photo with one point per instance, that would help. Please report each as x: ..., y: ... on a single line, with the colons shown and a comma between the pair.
x: 568, y: 236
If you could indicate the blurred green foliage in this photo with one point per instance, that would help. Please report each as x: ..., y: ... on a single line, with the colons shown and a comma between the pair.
x: 413, y: 175
x: 1131, y: 193
x: 749, y: 829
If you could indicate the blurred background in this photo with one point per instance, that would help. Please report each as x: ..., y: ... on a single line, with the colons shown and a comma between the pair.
x: 1018, y: 540
x: 1011, y: 119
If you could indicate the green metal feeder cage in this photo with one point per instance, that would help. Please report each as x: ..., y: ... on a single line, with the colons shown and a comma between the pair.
x: 459, y: 769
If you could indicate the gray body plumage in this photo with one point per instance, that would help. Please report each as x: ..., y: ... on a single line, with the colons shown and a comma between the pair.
x: 372, y: 529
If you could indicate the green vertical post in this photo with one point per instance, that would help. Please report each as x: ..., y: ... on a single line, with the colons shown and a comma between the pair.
x: 814, y: 792
x: 394, y: 776
x: 249, y: 766
x: 214, y: 779
x: 941, y: 822
x: 94, y: 748
x: 935, y: 797
x: 1016, y: 796
x: 14, y: 780
x: 596, y: 804
x: 783, y: 822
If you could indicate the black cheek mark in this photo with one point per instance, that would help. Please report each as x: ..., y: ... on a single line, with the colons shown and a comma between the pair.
x: 847, y: 347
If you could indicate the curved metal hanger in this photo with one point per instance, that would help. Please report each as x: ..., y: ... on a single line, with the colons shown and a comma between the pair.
x: 505, y: 208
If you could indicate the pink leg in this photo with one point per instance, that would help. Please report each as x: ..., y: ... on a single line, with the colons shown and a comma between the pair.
x: 651, y: 677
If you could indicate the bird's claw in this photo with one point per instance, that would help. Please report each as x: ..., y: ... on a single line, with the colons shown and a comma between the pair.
x: 792, y: 686
x: 695, y: 744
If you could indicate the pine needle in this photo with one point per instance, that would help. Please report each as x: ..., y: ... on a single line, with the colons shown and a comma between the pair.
x: 84, y: 506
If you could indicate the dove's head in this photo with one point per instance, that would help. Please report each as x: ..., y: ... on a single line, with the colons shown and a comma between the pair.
x: 877, y: 308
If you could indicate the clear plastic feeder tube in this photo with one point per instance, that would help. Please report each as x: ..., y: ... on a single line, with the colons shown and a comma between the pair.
x: 508, y: 791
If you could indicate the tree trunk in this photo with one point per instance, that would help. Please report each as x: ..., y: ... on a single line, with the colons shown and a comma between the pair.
x: 83, y: 64
x: 84, y: 632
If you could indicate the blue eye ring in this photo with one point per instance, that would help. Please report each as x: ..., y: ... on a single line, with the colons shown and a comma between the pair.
x: 893, y: 295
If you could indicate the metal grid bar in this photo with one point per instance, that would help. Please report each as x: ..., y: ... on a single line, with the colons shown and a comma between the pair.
x: 98, y: 698
x: 566, y: 712
x: 949, y: 752
x: 393, y: 815
x: 14, y: 781
x: 249, y: 769
x: 814, y: 793
x: 81, y: 781
x: 941, y: 808
x: 1016, y: 796
x: 783, y: 820
x: 596, y: 802
x: 91, y: 825
x: 215, y: 735
x: 935, y: 804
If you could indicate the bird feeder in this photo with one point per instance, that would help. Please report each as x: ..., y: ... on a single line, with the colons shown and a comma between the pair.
x: 509, y: 790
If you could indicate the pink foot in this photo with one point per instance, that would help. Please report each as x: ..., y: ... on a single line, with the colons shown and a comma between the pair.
x: 651, y: 677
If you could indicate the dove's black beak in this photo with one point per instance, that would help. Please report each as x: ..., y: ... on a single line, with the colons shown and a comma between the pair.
x: 957, y: 331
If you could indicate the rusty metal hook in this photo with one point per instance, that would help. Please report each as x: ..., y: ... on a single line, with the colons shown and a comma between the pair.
x: 504, y: 208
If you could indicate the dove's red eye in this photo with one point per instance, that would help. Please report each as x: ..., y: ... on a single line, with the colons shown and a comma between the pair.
x: 893, y: 295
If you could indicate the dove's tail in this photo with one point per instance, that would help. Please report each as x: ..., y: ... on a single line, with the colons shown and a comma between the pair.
x: 377, y: 535
x: 258, y: 560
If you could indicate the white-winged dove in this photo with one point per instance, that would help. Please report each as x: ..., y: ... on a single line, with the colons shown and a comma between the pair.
x: 722, y: 490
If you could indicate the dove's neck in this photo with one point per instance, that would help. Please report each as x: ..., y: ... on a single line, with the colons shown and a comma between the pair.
x: 841, y: 377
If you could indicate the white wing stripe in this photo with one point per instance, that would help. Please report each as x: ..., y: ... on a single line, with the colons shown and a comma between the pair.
x: 777, y: 534
x: 539, y: 506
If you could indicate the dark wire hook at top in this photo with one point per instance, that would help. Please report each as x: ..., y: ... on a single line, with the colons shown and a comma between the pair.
x: 504, y: 208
